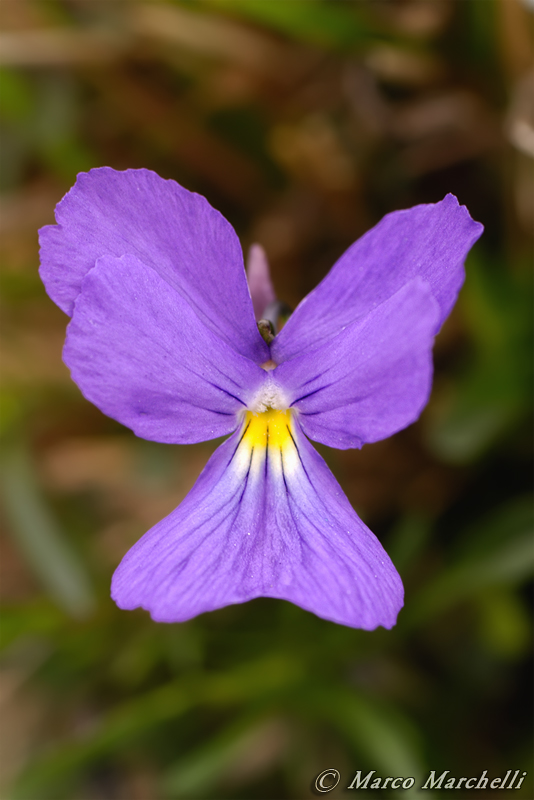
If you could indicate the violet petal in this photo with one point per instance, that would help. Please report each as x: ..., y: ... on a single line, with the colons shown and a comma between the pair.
x: 267, y: 521
x: 177, y: 232
x: 140, y: 353
x: 427, y: 241
x: 372, y: 379
x: 259, y: 280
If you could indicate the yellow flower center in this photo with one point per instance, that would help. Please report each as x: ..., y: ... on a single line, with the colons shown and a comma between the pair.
x: 271, y: 428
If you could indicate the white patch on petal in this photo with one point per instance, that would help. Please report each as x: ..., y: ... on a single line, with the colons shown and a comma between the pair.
x: 271, y: 395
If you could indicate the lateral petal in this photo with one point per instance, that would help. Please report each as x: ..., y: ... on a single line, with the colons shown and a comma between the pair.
x: 265, y: 518
x: 139, y: 352
x: 372, y: 379
x: 427, y: 241
x: 189, y: 244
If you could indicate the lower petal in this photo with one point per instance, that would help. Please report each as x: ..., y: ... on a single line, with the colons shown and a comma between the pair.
x: 266, y: 518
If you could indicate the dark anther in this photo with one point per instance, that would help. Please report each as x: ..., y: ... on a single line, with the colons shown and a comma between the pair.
x: 266, y: 328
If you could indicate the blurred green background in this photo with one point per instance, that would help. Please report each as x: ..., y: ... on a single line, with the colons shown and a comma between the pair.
x: 303, y: 121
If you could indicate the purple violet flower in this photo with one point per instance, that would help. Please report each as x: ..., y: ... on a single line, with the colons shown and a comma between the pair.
x: 164, y: 338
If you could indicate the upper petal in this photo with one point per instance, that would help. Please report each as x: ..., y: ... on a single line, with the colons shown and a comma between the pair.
x: 177, y: 232
x: 427, y: 241
x: 265, y: 518
x: 140, y: 353
x: 259, y: 280
x: 372, y: 379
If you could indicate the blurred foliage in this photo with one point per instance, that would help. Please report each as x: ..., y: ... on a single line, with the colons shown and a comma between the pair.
x: 303, y: 121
